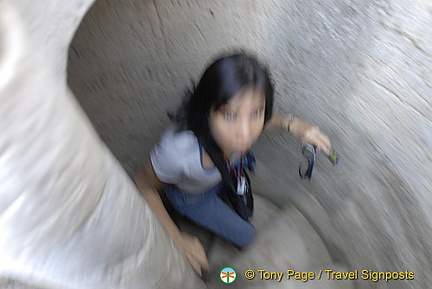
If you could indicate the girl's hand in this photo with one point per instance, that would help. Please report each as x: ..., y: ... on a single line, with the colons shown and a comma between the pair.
x: 194, y: 252
x: 310, y: 134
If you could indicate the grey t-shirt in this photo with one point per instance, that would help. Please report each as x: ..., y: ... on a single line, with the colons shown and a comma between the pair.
x: 177, y: 159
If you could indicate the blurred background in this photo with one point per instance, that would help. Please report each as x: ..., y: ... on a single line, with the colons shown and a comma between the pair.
x: 359, y: 69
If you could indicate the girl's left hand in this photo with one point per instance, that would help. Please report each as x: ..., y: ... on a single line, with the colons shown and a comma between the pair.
x: 310, y: 134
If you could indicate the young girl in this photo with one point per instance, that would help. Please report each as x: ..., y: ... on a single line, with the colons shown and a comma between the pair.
x: 218, y: 123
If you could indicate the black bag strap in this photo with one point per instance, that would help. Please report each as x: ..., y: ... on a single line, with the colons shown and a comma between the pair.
x: 216, y: 156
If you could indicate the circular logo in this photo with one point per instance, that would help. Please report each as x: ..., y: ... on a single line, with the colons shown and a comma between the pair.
x: 228, y: 275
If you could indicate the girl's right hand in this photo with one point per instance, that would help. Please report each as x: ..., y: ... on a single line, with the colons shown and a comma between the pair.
x: 191, y: 248
x: 194, y: 252
x: 311, y: 135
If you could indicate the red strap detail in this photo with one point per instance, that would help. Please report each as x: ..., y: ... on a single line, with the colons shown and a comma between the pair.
x: 236, y: 174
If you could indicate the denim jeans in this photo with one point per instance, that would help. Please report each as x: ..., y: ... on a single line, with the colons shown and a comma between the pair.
x: 211, y: 212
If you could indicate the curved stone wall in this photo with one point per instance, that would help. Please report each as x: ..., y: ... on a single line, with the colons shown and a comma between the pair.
x: 359, y: 69
x: 70, y: 217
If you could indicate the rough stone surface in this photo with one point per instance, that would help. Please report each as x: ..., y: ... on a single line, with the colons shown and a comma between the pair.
x: 70, y: 217
x: 52, y: 40
x: 360, y: 69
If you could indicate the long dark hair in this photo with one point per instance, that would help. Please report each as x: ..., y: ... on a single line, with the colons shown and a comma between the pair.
x: 221, y: 81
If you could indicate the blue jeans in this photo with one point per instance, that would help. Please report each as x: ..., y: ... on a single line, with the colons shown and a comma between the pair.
x: 211, y: 212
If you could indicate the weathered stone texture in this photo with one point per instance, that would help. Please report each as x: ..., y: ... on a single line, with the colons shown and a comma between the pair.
x: 361, y: 70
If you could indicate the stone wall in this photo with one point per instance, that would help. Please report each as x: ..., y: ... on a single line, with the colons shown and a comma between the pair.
x: 361, y: 70
x: 59, y: 184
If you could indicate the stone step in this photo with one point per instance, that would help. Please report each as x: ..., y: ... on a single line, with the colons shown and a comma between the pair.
x: 285, y: 241
x: 9, y: 283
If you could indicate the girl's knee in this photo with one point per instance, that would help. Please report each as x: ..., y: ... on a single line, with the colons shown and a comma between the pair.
x: 247, y: 236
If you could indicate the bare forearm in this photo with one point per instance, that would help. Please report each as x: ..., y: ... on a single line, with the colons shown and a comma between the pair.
x: 301, y: 130
x: 153, y: 199
x: 279, y: 122
x: 191, y: 248
x: 148, y: 185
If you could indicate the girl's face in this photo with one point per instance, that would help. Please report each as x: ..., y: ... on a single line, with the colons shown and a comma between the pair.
x: 236, y: 125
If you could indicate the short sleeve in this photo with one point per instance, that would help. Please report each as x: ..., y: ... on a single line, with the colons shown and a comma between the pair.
x: 166, y: 162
